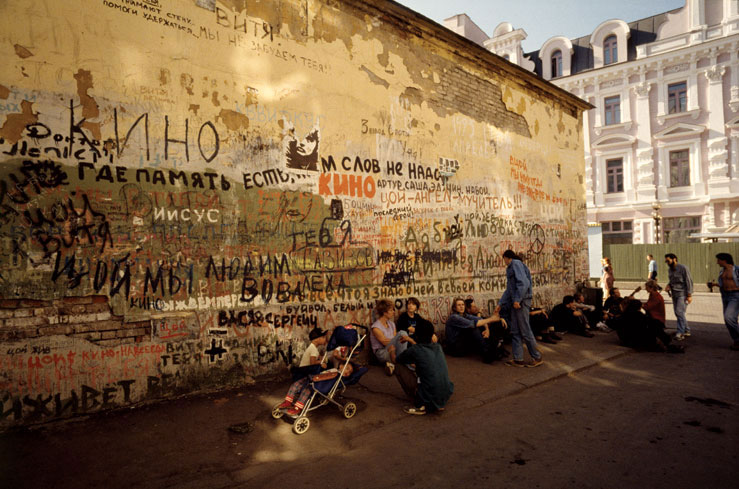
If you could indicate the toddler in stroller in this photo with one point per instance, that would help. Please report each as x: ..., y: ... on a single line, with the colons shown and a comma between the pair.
x: 313, y: 391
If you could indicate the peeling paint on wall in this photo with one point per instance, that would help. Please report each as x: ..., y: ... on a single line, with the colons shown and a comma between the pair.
x: 186, y: 188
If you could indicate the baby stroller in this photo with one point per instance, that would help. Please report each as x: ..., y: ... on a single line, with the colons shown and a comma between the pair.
x: 329, y: 390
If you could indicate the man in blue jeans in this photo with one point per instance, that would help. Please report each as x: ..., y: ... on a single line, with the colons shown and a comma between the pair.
x: 680, y: 286
x: 728, y: 281
x: 517, y: 298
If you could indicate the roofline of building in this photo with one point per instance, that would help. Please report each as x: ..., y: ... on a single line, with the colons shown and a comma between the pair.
x: 573, y: 39
x: 425, y: 28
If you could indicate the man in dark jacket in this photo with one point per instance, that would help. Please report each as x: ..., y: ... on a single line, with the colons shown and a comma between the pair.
x: 427, y: 382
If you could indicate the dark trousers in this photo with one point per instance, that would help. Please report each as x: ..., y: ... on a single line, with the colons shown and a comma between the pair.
x: 408, y: 381
x: 468, y: 341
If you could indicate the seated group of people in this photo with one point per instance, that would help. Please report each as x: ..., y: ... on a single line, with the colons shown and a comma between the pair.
x: 640, y: 325
x: 411, y: 349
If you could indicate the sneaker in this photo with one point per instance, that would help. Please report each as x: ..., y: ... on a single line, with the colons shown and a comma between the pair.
x: 516, y: 363
x: 547, y: 339
x: 679, y: 337
x: 285, y: 405
x: 555, y: 336
x: 535, y: 362
x: 293, y: 411
x: 389, y: 368
x: 686, y: 334
x: 414, y: 410
x: 587, y: 334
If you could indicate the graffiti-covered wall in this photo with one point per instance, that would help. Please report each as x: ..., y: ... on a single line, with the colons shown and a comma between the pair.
x: 188, y: 186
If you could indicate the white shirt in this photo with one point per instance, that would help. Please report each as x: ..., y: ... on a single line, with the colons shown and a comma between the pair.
x: 311, y: 351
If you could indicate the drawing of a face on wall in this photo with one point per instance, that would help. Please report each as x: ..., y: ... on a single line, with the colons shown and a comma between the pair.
x: 302, y: 154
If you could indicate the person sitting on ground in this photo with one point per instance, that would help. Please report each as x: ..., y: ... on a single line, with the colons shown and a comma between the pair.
x: 590, y: 311
x: 428, y: 384
x: 408, y: 321
x: 386, y: 342
x: 612, y: 306
x: 465, y: 333
x: 542, y: 327
x: 566, y: 317
x: 498, y: 328
x: 655, y: 305
x: 639, y: 331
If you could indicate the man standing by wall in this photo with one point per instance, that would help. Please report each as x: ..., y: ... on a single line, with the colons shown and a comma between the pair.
x: 651, y: 268
x: 681, y: 287
x: 728, y: 281
x: 517, y: 298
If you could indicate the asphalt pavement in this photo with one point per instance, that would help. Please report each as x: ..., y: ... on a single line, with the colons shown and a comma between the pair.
x: 229, y: 440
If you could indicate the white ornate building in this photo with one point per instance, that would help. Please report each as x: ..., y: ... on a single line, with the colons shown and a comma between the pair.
x: 662, y: 143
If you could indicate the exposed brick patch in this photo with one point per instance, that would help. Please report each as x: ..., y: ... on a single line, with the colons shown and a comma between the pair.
x: 9, y: 303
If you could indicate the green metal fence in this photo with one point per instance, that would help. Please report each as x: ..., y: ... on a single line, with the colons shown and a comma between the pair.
x: 630, y: 263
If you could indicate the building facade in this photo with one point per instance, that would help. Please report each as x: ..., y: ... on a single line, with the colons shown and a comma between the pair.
x: 662, y: 143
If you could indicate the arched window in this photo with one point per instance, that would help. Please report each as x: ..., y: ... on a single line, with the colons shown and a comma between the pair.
x: 556, y: 63
x: 610, y: 50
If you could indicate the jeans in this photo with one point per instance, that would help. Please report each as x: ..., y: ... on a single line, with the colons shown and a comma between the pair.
x: 384, y: 356
x: 680, y: 305
x: 731, y: 312
x: 520, y: 330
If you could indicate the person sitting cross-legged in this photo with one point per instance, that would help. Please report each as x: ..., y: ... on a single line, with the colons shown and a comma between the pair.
x: 466, y: 333
x: 566, y: 317
x: 427, y: 384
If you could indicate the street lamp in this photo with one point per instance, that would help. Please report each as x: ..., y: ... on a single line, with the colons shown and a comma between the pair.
x: 657, y: 216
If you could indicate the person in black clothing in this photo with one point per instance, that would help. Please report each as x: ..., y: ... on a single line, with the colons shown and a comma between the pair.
x: 410, y: 319
x: 566, y: 317
x: 637, y: 330
x: 612, y: 306
x: 498, y: 328
x: 542, y: 326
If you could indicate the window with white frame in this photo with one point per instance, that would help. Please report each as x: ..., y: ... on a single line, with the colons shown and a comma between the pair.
x: 610, y: 50
x: 617, y: 232
x: 615, y: 175
x: 612, y: 109
x: 679, y: 229
x: 677, y: 97
x: 680, y: 168
x: 556, y: 64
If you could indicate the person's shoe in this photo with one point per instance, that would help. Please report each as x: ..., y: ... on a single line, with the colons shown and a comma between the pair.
x: 547, y: 339
x: 414, y: 410
x: 285, y: 405
x: 516, y: 363
x: 686, y: 334
x: 679, y: 337
x: 535, y: 362
x: 389, y: 368
x: 293, y: 411
x: 555, y: 336
x: 587, y: 334
x: 675, y: 349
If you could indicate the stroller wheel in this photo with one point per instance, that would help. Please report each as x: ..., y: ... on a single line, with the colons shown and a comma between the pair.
x: 301, y: 425
x: 350, y: 409
x: 277, y: 413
